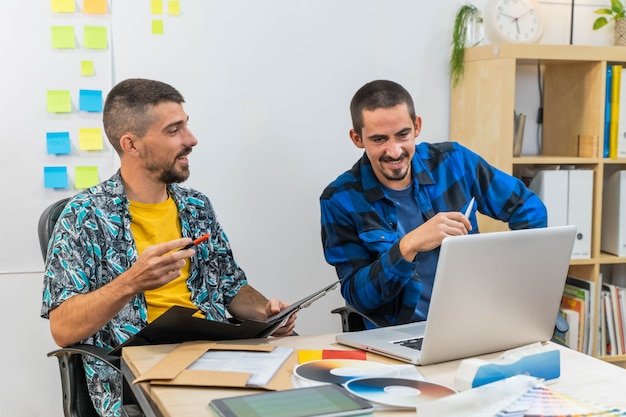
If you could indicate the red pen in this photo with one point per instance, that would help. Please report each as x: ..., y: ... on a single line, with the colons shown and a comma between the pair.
x: 197, y: 241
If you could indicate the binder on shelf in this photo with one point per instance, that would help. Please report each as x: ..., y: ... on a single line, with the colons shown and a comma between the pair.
x: 613, y: 239
x: 607, y: 111
x: 615, y: 109
x: 621, y: 123
x: 567, y: 195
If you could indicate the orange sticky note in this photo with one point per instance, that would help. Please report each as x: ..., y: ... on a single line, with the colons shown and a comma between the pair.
x: 95, y: 6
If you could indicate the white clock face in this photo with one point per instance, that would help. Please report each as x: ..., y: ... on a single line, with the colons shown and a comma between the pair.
x: 513, y: 21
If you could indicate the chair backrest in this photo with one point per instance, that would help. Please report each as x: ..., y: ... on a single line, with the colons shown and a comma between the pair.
x: 47, y: 220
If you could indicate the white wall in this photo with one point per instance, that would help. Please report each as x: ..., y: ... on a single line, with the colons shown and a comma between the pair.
x: 267, y: 85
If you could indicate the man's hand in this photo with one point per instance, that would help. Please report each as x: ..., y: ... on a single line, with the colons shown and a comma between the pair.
x: 158, y: 264
x: 430, y: 234
x: 275, y: 306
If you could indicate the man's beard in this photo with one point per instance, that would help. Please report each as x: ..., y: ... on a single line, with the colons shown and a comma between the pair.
x: 167, y: 173
x: 396, y: 174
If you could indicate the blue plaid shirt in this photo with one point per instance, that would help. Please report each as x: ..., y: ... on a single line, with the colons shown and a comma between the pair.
x: 359, y: 224
x: 93, y: 244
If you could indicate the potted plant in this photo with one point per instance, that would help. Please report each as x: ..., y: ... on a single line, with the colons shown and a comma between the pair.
x: 466, y: 32
x: 617, y: 12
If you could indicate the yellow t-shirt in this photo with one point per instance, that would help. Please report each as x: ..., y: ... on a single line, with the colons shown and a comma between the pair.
x: 158, y: 223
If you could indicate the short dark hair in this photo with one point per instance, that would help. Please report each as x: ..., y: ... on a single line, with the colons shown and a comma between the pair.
x: 376, y: 95
x: 128, y: 106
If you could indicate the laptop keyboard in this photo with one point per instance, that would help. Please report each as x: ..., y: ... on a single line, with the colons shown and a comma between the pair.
x: 415, y: 343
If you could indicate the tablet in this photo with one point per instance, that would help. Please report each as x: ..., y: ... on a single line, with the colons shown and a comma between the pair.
x: 317, y: 401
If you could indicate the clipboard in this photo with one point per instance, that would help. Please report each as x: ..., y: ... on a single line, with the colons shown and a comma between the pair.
x: 178, y: 325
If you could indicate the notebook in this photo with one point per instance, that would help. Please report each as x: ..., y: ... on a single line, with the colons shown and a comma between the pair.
x: 492, y: 292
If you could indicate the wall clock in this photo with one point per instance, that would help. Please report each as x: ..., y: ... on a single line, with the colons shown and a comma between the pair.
x: 518, y: 21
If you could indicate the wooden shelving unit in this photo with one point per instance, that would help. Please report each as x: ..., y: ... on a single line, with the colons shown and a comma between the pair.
x: 481, y: 118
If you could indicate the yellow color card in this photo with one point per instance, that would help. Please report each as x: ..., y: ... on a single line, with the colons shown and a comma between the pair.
x: 62, y: 6
x: 95, y: 6
x: 157, y: 27
x: 86, y: 176
x: 90, y: 139
x: 63, y: 37
x: 59, y: 101
x: 157, y: 6
x: 173, y: 8
x: 87, y: 68
x: 95, y: 37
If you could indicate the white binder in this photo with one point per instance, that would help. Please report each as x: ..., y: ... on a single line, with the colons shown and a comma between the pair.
x: 613, y: 238
x: 568, y: 195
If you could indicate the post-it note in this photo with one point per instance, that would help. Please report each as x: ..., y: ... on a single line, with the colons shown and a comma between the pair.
x: 58, y: 143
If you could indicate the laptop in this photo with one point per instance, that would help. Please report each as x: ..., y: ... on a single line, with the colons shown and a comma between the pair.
x: 492, y: 292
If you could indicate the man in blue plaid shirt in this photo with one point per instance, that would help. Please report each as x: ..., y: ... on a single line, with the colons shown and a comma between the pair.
x: 383, y: 220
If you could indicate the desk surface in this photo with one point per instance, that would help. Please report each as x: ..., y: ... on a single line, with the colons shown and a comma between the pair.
x: 582, y: 376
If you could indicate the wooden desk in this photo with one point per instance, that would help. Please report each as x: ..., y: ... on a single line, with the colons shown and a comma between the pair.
x: 582, y: 376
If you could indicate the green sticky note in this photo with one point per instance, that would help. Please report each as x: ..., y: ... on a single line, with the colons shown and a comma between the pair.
x: 87, y: 68
x: 95, y: 37
x: 157, y: 27
x: 63, y: 37
x: 86, y: 176
x: 59, y: 101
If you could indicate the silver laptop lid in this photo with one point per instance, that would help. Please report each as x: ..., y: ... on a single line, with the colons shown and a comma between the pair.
x: 492, y: 291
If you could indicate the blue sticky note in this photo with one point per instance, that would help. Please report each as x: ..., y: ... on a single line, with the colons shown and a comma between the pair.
x: 55, y: 177
x: 90, y: 100
x: 58, y: 143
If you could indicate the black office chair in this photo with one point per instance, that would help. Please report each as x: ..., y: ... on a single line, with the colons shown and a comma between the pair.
x: 76, y: 399
x: 353, y: 320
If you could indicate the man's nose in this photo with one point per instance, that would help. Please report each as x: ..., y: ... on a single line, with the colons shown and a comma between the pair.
x: 394, y: 149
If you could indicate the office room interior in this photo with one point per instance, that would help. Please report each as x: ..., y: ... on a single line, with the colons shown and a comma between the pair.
x: 267, y: 87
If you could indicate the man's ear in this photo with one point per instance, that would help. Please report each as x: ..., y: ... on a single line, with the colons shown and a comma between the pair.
x: 127, y: 143
x: 356, y: 139
x: 418, y: 125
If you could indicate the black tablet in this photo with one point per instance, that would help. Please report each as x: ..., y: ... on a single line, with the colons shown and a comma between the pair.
x: 317, y: 401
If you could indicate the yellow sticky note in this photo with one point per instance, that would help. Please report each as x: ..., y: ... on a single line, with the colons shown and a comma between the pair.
x: 95, y: 37
x: 63, y: 6
x: 87, y: 68
x: 90, y: 139
x: 157, y: 6
x: 86, y: 176
x: 95, y: 6
x: 59, y: 101
x: 63, y: 37
x: 173, y: 8
x: 157, y: 27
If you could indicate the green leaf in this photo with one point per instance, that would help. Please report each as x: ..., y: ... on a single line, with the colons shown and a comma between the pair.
x: 600, y: 22
x: 617, y: 6
x: 603, y: 11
